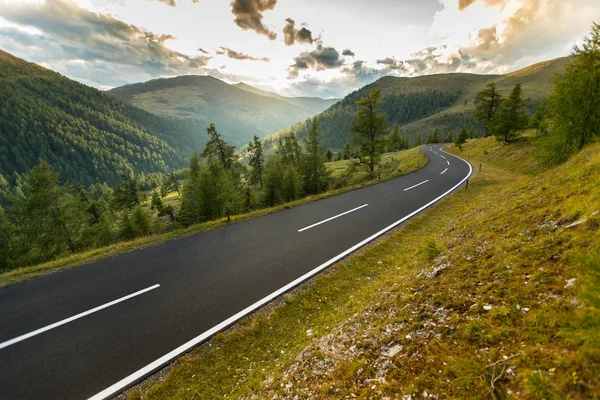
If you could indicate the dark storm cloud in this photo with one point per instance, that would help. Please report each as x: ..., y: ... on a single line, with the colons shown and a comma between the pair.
x: 241, y: 56
x: 73, y: 33
x: 248, y: 15
x: 291, y: 35
x: 348, y: 53
x: 321, y: 58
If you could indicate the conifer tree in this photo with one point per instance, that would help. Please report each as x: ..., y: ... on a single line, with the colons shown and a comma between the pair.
x: 574, y: 105
x: 461, y: 138
x: 488, y: 103
x: 217, y: 149
x: 314, y: 170
x: 370, y: 129
x: 256, y: 161
x: 511, y: 118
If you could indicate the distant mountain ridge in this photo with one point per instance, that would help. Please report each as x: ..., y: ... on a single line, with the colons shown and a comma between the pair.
x: 239, y: 111
x: 421, y: 104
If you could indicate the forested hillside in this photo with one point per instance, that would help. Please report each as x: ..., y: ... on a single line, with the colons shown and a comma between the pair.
x: 313, y: 105
x: 86, y: 135
x: 421, y: 104
x: 240, y: 112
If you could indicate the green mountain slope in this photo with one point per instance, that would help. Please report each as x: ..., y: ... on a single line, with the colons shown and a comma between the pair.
x: 86, y: 134
x: 423, y: 103
x: 239, y: 112
x: 313, y: 105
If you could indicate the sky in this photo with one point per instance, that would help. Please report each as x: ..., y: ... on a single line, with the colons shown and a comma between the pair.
x: 325, y: 48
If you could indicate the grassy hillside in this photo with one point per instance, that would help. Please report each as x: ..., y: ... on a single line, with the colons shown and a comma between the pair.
x: 312, y: 105
x: 493, y: 293
x: 238, y: 113
x: 87, y: 135
x: 423, y: 103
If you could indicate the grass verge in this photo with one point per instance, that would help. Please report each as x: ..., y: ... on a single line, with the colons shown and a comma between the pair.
x: 405, y: 162
x: 491, y: 293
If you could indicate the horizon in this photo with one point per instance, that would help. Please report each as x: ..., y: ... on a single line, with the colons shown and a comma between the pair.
x: 274, y: 45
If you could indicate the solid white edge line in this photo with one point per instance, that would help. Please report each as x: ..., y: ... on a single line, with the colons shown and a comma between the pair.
x: 418, y: 184
x: 444, y: 171
x: 332, y: 218
x: 73, y: 318
x: 141, y: 373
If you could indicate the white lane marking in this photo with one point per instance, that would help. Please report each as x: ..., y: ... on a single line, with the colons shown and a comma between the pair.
x: 73, y: 318
x: 334, y: 217
x: 418, y: 184
x: 444, y: 171
x: 442, y: 156
x: 448, y: 162
x: 153, y: 366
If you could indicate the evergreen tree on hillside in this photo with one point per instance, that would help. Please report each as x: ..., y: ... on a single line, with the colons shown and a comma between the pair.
x: 43, y: 215
x: 511, y: 118
x: 574, y: 105
x: 217, y: 149
x: 314, y: 170
x: 419, y: 140
x: 488, y: 103
x: 395, y: 141
x: 170, y: 184
x: 434, y: 137
x: 461, y: 138
x: 127, y: 194
x: 449, y: 137
x: 256, y: 161
x: 370, y: 128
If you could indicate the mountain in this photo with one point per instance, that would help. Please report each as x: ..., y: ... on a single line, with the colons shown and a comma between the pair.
x: 313, y: 105
x: 239, y: 111
x: 87, y: 135
x: 423, y: 103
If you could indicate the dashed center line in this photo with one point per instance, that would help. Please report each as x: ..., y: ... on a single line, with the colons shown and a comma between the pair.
x: 448, y: 162
x: 74, y: 317
x: 334, y: 217
x: 444, y: 171
x: 418, y: 184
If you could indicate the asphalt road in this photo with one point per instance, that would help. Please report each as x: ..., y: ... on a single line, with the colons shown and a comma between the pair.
x: 92, y: 330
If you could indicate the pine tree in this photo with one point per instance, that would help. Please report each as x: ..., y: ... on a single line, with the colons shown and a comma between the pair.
x: 434, y: 137
x: 395, y: 141
x: 462, y: 138
x: 314, y: 170
x: 256, y: 161
x: 370, y: 129
x: 127, y: 194
x: 449, y: 137
x: 419, y: 140
x: 574, y: 105
x: 217, y: 149
x: 511, y: 118
x: 488, y: 103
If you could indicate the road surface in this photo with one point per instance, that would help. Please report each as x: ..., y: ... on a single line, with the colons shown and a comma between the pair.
x: 91, y: 331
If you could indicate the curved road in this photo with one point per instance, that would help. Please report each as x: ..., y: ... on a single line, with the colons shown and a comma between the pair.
x: 93, y: 330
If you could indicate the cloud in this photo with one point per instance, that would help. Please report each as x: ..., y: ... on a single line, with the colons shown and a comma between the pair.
x: 70, y: 33
x: 173, y: 3
x: 391, y: 64
x: 248, y: 15
x: 201, y: 50
x: 462, y: 4
x: 241, y: 56
x: 291, y: 35
x: 348, y: 53
x: 319, y: 59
